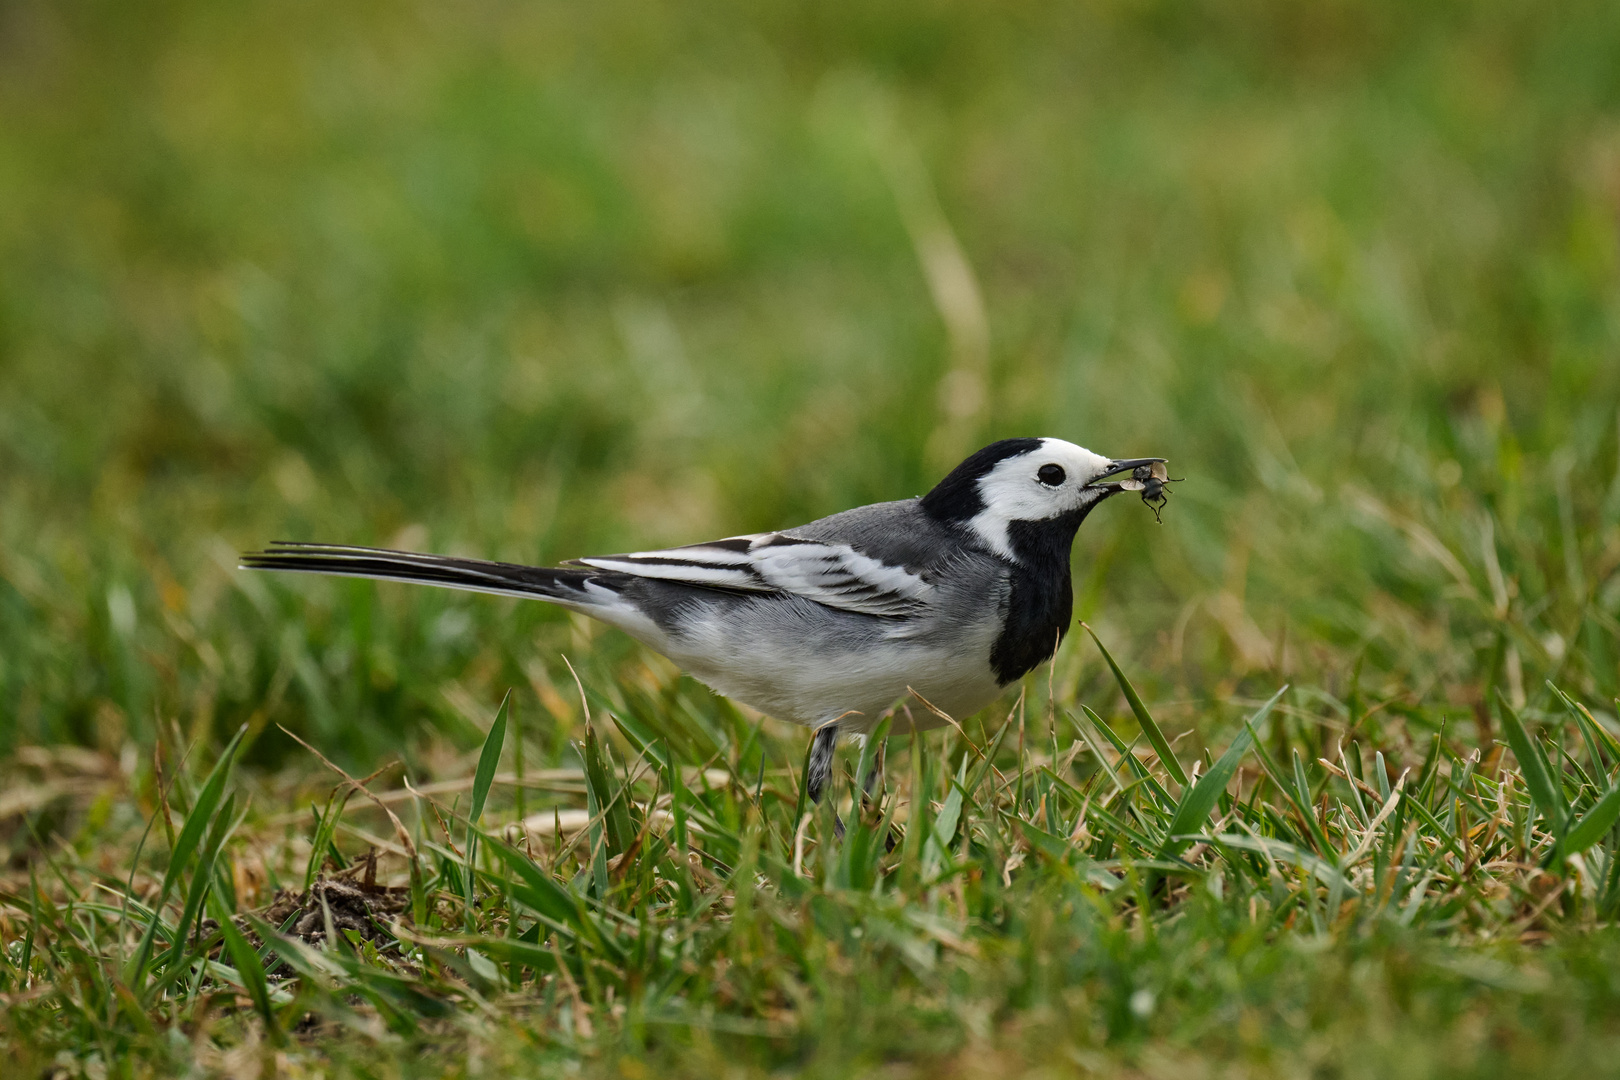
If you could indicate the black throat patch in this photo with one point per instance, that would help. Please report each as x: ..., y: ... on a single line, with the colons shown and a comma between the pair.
x: 1042, y: 600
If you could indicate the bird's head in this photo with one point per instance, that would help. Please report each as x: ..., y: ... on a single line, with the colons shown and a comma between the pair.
x: 1027, y: 481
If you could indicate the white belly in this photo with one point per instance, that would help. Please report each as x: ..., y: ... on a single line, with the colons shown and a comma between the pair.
x: 855, y: 689
x: 804, y: 682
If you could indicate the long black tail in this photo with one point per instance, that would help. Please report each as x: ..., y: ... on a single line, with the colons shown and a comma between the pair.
x: 475, y: 575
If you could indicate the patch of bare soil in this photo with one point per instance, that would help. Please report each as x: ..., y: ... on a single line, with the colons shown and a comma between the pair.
x: 360, y: 905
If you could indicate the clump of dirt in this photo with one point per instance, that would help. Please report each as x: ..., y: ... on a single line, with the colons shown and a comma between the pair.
x: 352, y: 907
x: 362, y: 906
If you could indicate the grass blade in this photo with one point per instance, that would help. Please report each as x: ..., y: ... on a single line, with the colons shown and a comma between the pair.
x: 248, y: 966
x: 483, y: 777
x: 1292, y: 785
x: 488, y: 758
x: 1150, y: 727
x: 545, y: 895
x: 325, y: 829
x: 654, y: 745
x: 804, y: 782
x: 937, y: 846
x: 201, y: 878
x: 1533, y: 764
x: 540, y: 891
x: 191, y: 832
x: 509, y: 950
x: 1593, y: 824
x: 1281, y: 850
x: 1590, y: 728
x: 1197, y: 803
x: 1143, y: 775
x: 596, y: 833
x: 598, y: 778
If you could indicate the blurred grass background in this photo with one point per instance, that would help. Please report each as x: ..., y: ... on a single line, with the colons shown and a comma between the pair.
x: 531, y: 281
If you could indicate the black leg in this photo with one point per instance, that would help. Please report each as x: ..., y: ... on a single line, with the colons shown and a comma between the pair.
x: 822, y: 748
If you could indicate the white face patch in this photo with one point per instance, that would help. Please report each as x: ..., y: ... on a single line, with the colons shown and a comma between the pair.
x: 1015, y: 489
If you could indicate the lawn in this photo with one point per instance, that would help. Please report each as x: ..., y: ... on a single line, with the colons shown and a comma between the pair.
x: 534, y: 281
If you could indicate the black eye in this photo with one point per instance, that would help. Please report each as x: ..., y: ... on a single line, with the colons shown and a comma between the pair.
x: 1051, y: 475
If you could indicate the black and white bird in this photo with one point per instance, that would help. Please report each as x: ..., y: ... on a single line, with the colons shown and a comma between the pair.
x: 952, y: 596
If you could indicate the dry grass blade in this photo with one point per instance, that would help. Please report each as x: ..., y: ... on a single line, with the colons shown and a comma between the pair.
x: 359, y: 786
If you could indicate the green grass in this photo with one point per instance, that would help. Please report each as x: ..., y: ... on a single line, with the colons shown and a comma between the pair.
x: 532, y: 281
x: 1054, y: 899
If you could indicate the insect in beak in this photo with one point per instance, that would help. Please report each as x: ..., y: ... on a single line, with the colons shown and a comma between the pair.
x: 1148, y: 475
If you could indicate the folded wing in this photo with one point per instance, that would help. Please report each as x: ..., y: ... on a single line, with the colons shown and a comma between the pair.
x: 832, y: 574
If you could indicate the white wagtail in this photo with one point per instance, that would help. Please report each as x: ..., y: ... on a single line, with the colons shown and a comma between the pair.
x: 952, y: 596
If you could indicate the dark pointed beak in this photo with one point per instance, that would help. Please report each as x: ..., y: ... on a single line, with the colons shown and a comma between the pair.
x: 1124, y: 465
